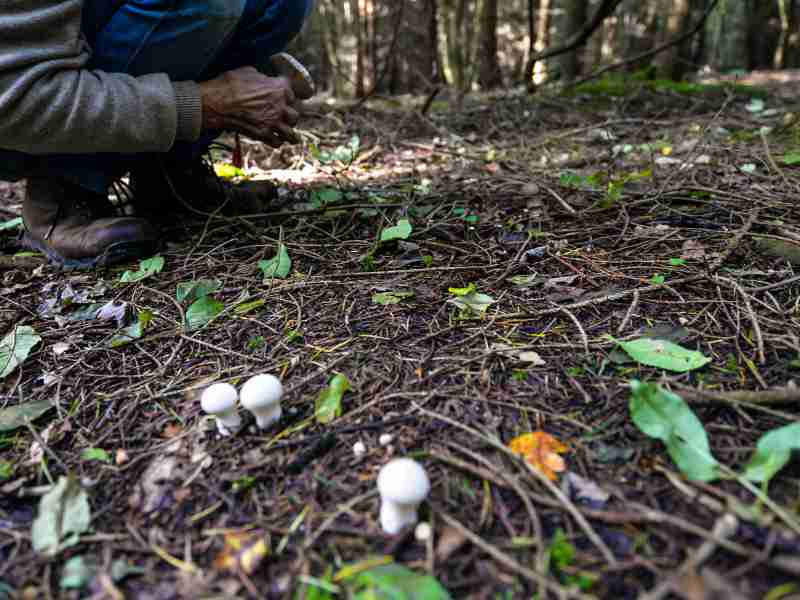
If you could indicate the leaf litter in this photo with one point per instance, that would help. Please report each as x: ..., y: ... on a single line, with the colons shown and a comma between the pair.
x: 445, y: 373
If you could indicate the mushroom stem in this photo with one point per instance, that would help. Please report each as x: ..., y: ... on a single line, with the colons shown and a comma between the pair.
x: 395, y: 516
x: 228, y: 422
x: 267, y: 416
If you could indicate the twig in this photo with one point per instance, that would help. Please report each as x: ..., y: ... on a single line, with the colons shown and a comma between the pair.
x: 724, y: 528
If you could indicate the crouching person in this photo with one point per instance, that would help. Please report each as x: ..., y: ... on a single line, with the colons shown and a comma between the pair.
x: 91, y: 90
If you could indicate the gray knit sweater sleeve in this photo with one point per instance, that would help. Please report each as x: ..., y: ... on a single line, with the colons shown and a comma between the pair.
x: 50, y: 102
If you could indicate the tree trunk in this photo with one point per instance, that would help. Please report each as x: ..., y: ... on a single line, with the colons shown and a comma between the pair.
x: 571, y: 21
x: 727, y: 30
x: 489, y: 75
x: 670, y: 63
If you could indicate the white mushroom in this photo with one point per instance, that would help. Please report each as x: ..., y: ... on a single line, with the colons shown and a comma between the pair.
x: 261, y: 395
x: 403, y: 485
x: 220, y: 400
x: 423, y: 532
x: 359, y: 449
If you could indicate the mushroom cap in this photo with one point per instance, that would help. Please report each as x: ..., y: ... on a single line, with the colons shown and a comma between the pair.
x: 218, y: 398
x: 404, y: 481
x: 261, y: 391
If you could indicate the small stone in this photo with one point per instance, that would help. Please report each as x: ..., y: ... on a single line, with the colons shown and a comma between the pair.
x: 385, y: 439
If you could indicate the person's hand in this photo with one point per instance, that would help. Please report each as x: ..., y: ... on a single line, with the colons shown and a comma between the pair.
x: 245, y: 100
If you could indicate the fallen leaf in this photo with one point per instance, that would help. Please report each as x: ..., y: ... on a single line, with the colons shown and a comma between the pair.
x: 585, y: 490
x: 329, y: 402
x: 194, y: 290
x: 13, y: 417
x: 692, y: 249
x: 64, y: 514
x: 471, y: 305
x: 16, y: 347
x: 401, y: 231
x: 522, y: 355
x: 664, y: 415
x: 386, y: 298
x: 244, y: 551
x: 542, y: 451
x: 202, y: 312
x: 278, y: 266
x: 663, y: 354
x: 147, y: 268
x: 132, y: 332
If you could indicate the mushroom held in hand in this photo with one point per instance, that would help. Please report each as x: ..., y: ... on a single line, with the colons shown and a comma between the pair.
x: 220, y: 400
x: 403, y: 485
x: 261, y: 395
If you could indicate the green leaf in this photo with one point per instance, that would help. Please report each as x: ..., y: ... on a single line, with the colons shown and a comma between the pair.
x: 64, y: 514
x: 147, y: 268
x: 279, y: 266
x: 97, y: 454
x: 663, y: 354
x: 663, y: 415
x: 397, y: 582
x: 228, y: 171
x: 526, y: 280
x: 16, y: 347
x: 194, y: 290
x: 14, y: 417
x: 121, y: 568
x: 756, y: 105
x: 12, y: 224
x: 791, y: 158
x: 77, y: 573
x: 329, y: 402
x: 202, y: 312
x: 132, y: 332
x: 475, y: 304
x: 385, y: 298
x: 248, y: 307
x: 467, y: 291
x: 6, y: 472
x: 401, y: 231
x: 658, y: 279
x: 773, y: 452
x: 677, y: 262
x: 325, y: 196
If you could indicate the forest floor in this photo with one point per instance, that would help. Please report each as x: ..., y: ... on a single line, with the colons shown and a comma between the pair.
x: 538, y: 228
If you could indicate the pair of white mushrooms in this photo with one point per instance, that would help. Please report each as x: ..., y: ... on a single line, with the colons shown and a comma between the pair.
x: 261, y: 395
x: 402, y: 483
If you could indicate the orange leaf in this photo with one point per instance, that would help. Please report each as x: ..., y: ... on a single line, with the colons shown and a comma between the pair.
x: 542, y: 451
x: 244, y: 551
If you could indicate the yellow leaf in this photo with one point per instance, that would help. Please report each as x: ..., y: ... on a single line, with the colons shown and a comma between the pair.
x: 243, y: 552
x: 542, y: 451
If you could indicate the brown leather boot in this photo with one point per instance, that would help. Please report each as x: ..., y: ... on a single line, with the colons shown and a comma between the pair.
x: 162, y: 190
x: 76, y: 228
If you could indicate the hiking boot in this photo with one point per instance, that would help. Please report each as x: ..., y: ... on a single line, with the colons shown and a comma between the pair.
x: 162, y: 189
x: 76, y: 228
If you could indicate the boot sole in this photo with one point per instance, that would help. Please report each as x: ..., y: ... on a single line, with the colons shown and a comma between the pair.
x: 114, y: 254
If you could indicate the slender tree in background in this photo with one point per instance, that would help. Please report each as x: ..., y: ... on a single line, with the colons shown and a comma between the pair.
x: 728, y: 33
x: 357, y: 47
x: 489, y: 75
x: 787, y: 52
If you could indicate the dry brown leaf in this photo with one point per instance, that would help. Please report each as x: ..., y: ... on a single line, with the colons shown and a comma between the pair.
x: 542, y: 451
x: 244, y: 551
x: 692, y: 249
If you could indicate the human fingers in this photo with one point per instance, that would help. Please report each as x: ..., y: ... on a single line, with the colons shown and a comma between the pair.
x: 286, y: 133
x: 291, y: 116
